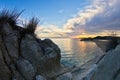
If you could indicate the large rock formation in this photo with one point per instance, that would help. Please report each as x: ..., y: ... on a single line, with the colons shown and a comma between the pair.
x: 23, y: 56
x: 107, y: 67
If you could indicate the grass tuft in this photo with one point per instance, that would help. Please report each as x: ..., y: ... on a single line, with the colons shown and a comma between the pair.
x: 7, y: 16
x: 31, y: 26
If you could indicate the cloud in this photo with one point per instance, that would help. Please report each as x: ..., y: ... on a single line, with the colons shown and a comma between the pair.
x: 51, y: 31
x: 100, y: 16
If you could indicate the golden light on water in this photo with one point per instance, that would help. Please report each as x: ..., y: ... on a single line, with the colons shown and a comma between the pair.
x: 84, y: 36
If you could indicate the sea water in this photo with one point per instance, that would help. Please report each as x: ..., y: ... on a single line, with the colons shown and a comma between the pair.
x: 75, y: 52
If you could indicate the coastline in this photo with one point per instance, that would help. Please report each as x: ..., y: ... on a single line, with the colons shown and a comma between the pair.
x: 87, y: 70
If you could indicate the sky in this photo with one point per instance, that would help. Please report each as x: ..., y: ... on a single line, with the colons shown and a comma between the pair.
x: 69, y: 18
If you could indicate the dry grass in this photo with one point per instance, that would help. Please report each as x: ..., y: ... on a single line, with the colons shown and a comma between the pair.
x: 11, y: 17
x: 31, y: 26
x: 7, y: 16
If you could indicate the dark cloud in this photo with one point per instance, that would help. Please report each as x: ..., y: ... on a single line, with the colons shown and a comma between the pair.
x: 108, y: 20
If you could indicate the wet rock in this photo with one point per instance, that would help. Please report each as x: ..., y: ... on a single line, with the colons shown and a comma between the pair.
x: 26, y: 69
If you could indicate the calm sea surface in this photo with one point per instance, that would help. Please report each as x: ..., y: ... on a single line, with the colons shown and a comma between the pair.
x: 76, y: 52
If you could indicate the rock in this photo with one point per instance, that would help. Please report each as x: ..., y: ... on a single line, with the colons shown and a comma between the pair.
x: 6, y: 29
x: 22, y: 55
x: 17, y: 76
x: 50, y: 43
x: 39, y: 77
x: 50, y: 53
x: 11, y: 40
x: 31, y: 50
x: 26, y: 69
x: 118, y: 77
x: 49, y: 63
x: 108, y: 66
x: 66, y: 76
x: 5, y: 73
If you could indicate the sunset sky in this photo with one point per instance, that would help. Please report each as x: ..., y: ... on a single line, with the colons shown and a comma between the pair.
x: 69, y: 18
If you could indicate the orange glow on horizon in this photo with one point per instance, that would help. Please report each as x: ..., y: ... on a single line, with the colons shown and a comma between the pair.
x: 84, y: 36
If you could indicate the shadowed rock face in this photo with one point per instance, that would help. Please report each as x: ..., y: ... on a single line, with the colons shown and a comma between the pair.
x: 109, y: 67
x: 106, y: 45
x: 24, y: 57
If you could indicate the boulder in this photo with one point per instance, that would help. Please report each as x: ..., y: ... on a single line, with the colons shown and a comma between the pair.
x: 22, y: 55
x: 50, y: 43
x: 31, y: 50
x: 11, y: 40
x: 26, y: 69
x: 49, y: 62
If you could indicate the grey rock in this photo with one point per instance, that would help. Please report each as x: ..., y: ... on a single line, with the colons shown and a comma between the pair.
x: 117, y: 77
x: 49, y: 62
x: 50, y: 53
x: 22, y: 55
x: 66, y: 76
x: 11, y: 40
x: 26, y: 69
x: 6, y: 29
x: 108, y: 66
x: 50, y: 43
x: 5, y: 73
x: 39, y: 77
x: 17, y: 76
x: 31, y: 50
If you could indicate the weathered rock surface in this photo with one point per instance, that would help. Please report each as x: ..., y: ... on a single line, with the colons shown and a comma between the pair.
x: 23, y: 56
x: 39, y: 77
x: 5, y: 73
x: 66, y: 76
x: 30, y: 49
x: 11, y: 39
x: 26, y: 69
x: 108, y: 67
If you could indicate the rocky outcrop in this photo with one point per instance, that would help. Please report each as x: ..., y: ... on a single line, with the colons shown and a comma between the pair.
x: 107, y: 68
x: 25, y: 57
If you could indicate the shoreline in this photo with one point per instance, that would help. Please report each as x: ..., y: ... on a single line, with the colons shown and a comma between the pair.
x: 88, y: 69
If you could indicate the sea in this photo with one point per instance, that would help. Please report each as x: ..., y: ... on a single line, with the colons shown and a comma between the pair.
x: 75, y: 52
